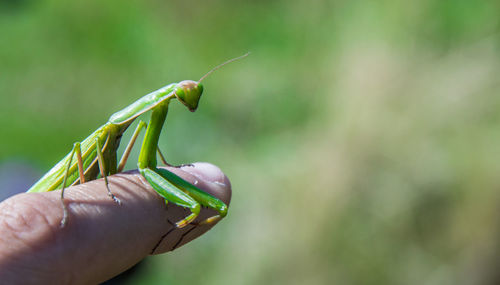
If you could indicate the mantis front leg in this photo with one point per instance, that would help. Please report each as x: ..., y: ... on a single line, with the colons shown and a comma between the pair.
x: 142, y: 125
x: 168, y: 185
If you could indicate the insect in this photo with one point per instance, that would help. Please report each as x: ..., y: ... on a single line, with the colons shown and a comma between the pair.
x: 97, y: 153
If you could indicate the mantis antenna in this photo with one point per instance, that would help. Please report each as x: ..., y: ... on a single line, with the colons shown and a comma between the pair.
x: 221, y: 65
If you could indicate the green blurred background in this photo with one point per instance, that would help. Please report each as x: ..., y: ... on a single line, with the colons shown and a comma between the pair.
x: 361, y: 137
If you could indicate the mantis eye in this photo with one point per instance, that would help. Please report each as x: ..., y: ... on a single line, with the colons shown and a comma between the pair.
x: 189, y: 93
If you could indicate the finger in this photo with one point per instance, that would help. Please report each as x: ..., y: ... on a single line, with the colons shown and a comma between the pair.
x: 101, y: 239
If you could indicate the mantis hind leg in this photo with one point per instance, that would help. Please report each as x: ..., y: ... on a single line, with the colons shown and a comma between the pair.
x: 76, y: 150
x: 100, y: 160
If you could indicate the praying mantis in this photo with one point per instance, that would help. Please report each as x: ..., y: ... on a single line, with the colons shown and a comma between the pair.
x: 98, y: 154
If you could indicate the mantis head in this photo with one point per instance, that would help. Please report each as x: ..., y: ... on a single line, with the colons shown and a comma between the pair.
x: 188, y: 92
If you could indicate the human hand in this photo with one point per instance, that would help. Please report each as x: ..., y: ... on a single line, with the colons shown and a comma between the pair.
x: 101, y: 239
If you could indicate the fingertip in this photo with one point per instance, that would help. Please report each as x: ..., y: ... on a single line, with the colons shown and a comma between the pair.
x: 216, y: 182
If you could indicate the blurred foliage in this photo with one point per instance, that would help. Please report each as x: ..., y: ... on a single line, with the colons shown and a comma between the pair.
x: 360, y: 137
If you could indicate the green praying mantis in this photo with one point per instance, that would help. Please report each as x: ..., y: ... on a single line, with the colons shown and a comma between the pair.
x: 98, y: 154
